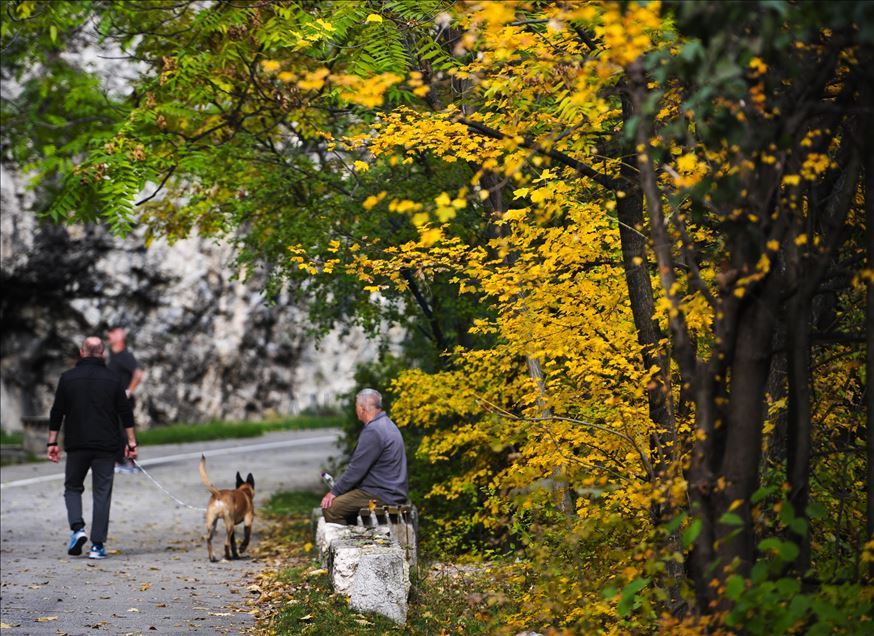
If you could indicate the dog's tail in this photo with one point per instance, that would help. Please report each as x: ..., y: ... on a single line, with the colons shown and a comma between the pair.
x: 205, y: 479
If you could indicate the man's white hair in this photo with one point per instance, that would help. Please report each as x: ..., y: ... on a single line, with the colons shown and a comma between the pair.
x: 369, y: 398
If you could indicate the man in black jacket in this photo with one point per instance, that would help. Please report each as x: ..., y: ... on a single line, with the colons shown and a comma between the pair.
x: 90, y: 401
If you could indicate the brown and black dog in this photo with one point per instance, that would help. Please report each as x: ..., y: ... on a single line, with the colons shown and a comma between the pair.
x: 234, y: 506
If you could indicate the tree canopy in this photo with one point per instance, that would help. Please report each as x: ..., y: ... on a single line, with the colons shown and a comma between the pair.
x: 631, y: 242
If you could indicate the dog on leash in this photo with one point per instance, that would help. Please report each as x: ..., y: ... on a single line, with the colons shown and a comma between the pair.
x: 233, y: 506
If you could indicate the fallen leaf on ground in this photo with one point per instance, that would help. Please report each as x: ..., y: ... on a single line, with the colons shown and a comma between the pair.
x: 145, y: 586
x: 9, y: 625
x: 133, y: 609
x: 46, y: 619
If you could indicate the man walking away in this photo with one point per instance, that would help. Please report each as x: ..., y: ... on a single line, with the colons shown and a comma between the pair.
x: 377, y: 470
x: 89, y: 403
x: 123, y: 362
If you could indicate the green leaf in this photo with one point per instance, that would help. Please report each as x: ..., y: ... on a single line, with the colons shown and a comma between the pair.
x: 691, y: 533
x: 788, y: 551
x: 787, y: 512
x: 731, y: 519
x: 788, y: 587
x: 674, y: 523
x: 798, y: 526
x: 761, y: 494
x: 629, y: 596
x: 734, y: 587
x: 769, y: 544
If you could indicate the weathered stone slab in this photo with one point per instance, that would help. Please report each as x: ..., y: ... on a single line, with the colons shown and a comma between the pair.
x: 381, y: 583
x: 326, y: 534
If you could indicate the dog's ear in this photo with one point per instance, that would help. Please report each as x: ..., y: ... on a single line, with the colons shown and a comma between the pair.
x: 250, y: 480
x: 239, y: 480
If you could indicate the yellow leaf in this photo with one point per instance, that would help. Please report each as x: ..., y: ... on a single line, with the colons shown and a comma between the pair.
x: 314, y: 80
x: 46, y: 619
x: 429, y: 237
x: 373, y: 17
x: 270, y: 65
x: 361, y: 166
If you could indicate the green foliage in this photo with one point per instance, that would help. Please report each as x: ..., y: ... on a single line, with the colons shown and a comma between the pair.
x: 11, y: 439
x: 783, y: 605
x: 183, y: 433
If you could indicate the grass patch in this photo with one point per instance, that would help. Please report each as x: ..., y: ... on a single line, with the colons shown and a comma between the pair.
x: 182, y: 433
x: 11, y: 439
x: 292, y: 503
x: 296, y: 596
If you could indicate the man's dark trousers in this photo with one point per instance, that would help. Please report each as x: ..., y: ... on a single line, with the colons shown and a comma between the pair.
x: 102, y: 465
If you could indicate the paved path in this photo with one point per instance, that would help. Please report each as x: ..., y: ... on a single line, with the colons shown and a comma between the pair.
x: 158, y: 578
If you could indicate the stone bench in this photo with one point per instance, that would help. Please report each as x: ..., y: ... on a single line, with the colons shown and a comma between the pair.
x: 402, y: 523
x: 370, y: 562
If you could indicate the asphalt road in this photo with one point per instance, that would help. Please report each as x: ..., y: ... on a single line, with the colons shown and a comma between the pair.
x: 157, y: 578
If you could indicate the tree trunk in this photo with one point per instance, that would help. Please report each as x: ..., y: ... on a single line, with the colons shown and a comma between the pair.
x: 869, y: 341
x: 640, y: 294
x: 745, y: 415
x: 807, y: 274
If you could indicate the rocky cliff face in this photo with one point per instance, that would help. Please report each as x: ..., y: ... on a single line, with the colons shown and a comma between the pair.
x: 210, y: 346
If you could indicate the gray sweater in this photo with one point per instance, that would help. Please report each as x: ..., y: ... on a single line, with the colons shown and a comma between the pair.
x: 379, y: 463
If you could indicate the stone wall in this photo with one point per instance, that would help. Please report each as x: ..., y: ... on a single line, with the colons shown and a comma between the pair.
x: 209, y: 344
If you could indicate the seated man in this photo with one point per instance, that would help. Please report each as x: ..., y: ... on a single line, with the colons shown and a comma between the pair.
x: 377, y: 470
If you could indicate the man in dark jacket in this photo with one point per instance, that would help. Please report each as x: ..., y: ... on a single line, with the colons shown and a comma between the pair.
x: 89, y: 402
x: 378, y: 468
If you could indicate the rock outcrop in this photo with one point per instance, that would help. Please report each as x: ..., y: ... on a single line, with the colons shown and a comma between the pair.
x: 211, y: 347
